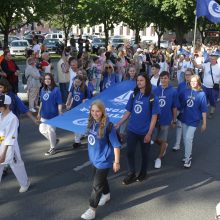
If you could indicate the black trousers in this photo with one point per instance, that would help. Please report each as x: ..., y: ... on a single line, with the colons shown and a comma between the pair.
x: 100, y: 186
x: 132, y: 142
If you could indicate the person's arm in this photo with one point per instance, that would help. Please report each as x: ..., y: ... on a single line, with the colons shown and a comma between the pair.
x: 124, y: 118
x: 203, y: 122
x: 38, y: 114
x: 174, y: 117
x: 69, y: 102
x: 30, y: 115
x: 116, y: 164
x: 147, y: 138
x: 3, y: 154
x: 60, y: 109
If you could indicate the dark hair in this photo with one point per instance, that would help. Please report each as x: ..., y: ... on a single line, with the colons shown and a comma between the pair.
x: 164, y: 73
x: 83, y: 86
x: 163, y: 57
x: 156, y: 65
x: 7, y: 86
x: 71, y: 59
x: 6, y: 52
x: 29, y: 53
x: 148, y: 86
x: 53, y: 84
x: 95, y: 58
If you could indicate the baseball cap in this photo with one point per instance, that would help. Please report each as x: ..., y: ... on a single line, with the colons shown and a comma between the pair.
x: 5, y: 100
x: 215, y: 53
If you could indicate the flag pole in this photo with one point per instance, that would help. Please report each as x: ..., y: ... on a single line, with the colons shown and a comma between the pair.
x: 194, y: 38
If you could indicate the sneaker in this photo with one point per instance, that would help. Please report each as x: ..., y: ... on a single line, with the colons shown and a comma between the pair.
x: 157, y: 164
x: 184, y: 159
x: 76, y: 145
x: 57, y: 141
x: 131, y: 178
x: 32, y: 110
x: 88, y: 214
x: 187, y: 163
x: 141, y: 177
x: 211, y: 116
x: 50, y: 152
x: 165, y: 150
x: 176, y: 148
x: 25, y: 188
x: 104, y: 199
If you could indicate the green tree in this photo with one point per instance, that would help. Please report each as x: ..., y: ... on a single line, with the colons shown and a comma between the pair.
x: 106, y: 12
x: 136, y: 15
x: 16, y: 13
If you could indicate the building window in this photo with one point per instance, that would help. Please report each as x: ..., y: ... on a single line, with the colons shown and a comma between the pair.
x: 88, y: 30
x: 100, y: 29
x: 121, y: 30
x: 128, y: 31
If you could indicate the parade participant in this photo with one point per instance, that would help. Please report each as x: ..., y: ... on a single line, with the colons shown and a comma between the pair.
x: 180, y: 70
x: 45, y: 64
x: 131, y: 74
x: 181, y: 88
x: 155, y: 78
x: 33, y: 77
x: 193, y: 108
x: 50, y: 107
x: 63, y: 73
x: 211, y: 80
x: 78, y: 94
x: 9, y: 148
x: 142, y: 111
x: 73, y: 70
x: 9, y: 67
x: 101, y: 141
x: 168, y: 101
x: 162, y: 62
x: 109, y: 77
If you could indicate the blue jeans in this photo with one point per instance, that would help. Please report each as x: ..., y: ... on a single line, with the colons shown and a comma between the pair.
x: 64, y: 91
x: 188, y: 135
x: 132, y: 142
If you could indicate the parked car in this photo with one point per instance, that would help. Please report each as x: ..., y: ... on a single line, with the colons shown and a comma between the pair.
x: 29, y: 38
x: 12, y: 38
x: 19, y: 47
x: 97, y: 43
x: 53, y: 45
x: 164, y: 43
x: 117, y: 42
x: 55, y: 36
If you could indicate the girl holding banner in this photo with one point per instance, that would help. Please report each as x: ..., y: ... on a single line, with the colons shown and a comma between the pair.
x: 104, y: 153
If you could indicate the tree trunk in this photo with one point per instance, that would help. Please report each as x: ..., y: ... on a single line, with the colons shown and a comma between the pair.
x: 66, y: 33
x: 179, y: 35
x: 6, y: 33
x: 159, y: 38
x: 137, y: 36
x: 106, y: 35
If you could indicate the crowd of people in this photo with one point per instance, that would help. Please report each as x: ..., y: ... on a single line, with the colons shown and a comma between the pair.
x: 175, y: 87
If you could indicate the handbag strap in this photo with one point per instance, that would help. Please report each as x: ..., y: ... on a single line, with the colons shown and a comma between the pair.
x: 212, y: 74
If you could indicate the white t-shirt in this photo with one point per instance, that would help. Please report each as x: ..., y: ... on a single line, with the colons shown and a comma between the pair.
x: 36, y: 48
x: 207, y: 79
x: 72, y: 76
x: 163, y: 66
x: 186, y: 65
x: 154, y: 80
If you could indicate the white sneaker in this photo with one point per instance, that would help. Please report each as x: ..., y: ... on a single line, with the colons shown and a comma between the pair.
x: 25, y: 188
x: 188, y: 162
x: 32, y: 110
x: 88, y: 214
x: 176, y: 148
x: 157, y: 163
x: 104, y: 199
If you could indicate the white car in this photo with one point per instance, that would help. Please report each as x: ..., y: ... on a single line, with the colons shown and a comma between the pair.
x: 55, y: 36
x: 19, y: 47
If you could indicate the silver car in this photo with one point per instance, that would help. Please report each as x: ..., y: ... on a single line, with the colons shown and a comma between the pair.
x: 19, y: 47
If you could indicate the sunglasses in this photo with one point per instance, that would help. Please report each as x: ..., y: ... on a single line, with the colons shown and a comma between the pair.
x: 108, y: 67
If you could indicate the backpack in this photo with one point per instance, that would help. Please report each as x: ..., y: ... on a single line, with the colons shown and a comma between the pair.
x: 108, y: 131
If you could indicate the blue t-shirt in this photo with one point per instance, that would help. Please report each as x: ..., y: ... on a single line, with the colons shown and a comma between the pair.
x: 141, y: 113
x: 192, y: 105
x: 50, y: 101
x: 167, y: 100
x: 101, y: 154
x: 78, y: 95
x: 182, y: 87
x: 17, y: 106
x: 109, y: 80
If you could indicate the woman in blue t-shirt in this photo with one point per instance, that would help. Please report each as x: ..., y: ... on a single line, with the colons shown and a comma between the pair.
x: 104, y: 153
x: 142, y: 110
x: 77, y: 94
x: 193, y: 108
x: 50, y: 107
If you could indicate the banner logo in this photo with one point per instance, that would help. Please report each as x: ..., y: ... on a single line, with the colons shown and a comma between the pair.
x: 81, y: 122
x: 214, y: 9
x: 122, y: 99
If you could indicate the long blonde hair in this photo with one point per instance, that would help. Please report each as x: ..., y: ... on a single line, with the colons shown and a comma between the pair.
x: 198, y: 81
x: 103, y: 120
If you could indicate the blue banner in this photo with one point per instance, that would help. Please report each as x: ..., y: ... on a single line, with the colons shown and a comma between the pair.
x: 115, y: 98
x: 208, y: 8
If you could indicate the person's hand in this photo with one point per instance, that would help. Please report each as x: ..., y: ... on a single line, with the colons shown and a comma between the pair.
x: 147, y: 138
x: 3, y: 74
x: 173, y: 125
x: 116, y: 167
x: 116, y: 126
x: 38, y: 118
x: 16, y: 73
x: 203, y: 127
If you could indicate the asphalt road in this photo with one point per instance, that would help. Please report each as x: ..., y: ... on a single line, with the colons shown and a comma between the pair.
x: 61, y: 184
